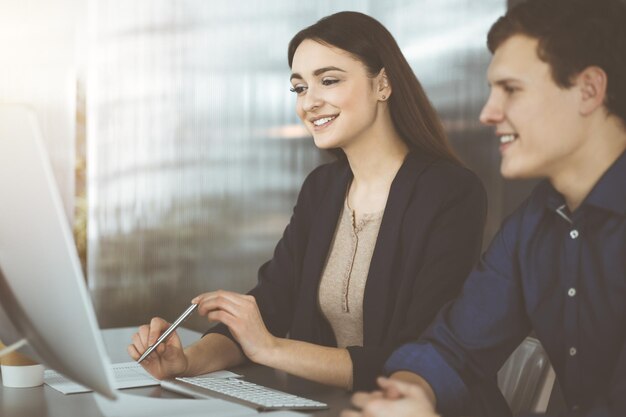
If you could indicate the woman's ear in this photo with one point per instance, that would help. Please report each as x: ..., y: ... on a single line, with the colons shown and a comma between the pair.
x: 592, y: 82
x: 384, y: 87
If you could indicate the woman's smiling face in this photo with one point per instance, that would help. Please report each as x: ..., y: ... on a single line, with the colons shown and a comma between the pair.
x: 337, y: 101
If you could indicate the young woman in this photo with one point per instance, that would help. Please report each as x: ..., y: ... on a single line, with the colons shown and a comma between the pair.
x: 379, y: 240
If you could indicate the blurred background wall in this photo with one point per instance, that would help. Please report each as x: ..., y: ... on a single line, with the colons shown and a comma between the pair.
x: 39, y: 65
x: 182, y: 152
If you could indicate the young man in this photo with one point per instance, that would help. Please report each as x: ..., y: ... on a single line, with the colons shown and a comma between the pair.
x: 558, y: 264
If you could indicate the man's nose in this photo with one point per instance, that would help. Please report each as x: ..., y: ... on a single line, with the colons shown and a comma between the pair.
x: 492, y: 111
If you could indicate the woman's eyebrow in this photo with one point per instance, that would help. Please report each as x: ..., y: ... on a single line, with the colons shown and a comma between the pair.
x: 316, y: 72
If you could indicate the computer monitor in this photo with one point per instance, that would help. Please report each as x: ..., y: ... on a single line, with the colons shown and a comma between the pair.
x: 43, y: 296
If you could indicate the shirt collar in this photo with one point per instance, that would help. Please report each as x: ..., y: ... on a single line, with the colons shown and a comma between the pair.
x: 609, y: 192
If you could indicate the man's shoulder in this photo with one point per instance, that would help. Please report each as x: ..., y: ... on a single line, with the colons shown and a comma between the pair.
x: 525, y: 218
x: 537, y: 201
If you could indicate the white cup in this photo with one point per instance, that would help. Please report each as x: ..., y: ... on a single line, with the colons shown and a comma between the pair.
x: 23, y: 376
x: 19, y: 371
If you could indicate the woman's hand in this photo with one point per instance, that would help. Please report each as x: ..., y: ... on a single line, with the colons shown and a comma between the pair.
x: 396, y: 398
x: 168, y: 360
x: 242, y: 316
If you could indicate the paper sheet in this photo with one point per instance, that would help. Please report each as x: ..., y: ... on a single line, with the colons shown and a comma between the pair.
x: 127, y: 375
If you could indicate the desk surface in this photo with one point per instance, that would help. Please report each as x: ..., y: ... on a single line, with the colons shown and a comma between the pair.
x: 44, y: 401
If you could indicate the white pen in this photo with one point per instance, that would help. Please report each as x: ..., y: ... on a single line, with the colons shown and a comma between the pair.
x: 169, y: 331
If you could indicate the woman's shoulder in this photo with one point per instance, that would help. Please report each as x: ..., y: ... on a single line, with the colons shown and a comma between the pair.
x: 327, y: 173
x: 441, y: 176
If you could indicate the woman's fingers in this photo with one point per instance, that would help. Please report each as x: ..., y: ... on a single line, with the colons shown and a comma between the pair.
x: 138, y: 347
x: 228, y: 301
x: 234, y: 296
x: 222, y: 317
x: 138, y: 341
x: 142, y: 334
x: 147, y: 335
x: 132, y: 352
x: 156, y: 329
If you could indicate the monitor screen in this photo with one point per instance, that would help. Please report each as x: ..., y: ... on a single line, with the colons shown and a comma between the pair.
x: 43, y: 295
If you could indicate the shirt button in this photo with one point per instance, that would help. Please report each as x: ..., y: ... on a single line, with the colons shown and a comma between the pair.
x: 575, y: 407
x: 572, y: 351
x: 571, y: 292
x: 573, y: 234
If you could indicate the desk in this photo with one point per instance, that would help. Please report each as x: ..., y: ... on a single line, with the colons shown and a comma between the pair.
x: 45, y: 402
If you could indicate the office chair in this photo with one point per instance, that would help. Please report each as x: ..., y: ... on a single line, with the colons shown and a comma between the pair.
x: 526, y: 378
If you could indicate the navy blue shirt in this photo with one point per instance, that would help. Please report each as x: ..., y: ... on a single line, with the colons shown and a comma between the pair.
x: 560, y: 274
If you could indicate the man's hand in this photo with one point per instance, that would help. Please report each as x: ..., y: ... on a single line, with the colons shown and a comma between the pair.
x: 396, y: 398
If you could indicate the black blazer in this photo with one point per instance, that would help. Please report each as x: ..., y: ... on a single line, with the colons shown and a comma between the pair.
x: 429, y: 240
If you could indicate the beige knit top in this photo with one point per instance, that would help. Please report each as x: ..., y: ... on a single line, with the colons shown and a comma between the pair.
x: 342, y: 285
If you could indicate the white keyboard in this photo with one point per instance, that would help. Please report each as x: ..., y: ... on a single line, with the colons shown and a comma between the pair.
x: 258, y: 396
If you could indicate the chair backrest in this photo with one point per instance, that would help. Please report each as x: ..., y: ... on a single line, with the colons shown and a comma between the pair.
x: 526, y: 378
